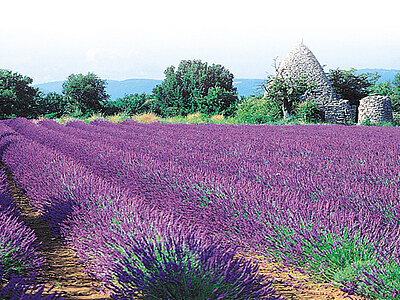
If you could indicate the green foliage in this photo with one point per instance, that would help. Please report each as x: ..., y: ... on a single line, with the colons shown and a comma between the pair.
x: 286, y: 93
x: 382, y: 88
x: 395, y: 95
x: 17, y: 97
x: 133, y: 104
x: 218, y: 101
x: 351, y: 86
x: 52, y: 105
x: 85, y: 94
x: 258, y: 110
x: 367, y: 122
x: 372, y: 278
x: 187, y: 90
x: 333, y: 253
x: 392, y: 90
x: 309, y: 112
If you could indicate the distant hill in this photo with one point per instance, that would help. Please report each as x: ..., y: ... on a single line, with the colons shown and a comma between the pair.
x: 386, y: 74
x: 50, y: 87
x: 118, y: 89
x: 245, y: 87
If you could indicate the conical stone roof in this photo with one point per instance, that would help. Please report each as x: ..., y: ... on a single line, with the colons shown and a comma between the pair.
x: 301, y: 62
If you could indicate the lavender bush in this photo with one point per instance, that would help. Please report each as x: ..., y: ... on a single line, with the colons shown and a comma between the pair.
x: 87, y: 210
x: 19, y: 257
x: 323, y: 198
x: 173, y: 261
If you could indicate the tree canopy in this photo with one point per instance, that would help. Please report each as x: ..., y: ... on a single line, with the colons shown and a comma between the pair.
x: 195, y: 86
x: 85, y: 93
x: 286, y: 93
x: 130, y: 104
x: 392, y: 90
x: 17, y: 97
x: 351, y: 86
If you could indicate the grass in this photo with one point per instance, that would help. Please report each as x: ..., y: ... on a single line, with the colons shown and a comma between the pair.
x: 196, y: 118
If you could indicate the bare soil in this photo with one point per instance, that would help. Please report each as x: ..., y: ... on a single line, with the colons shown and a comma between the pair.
x: 63, y: 271
x: 292, y: 284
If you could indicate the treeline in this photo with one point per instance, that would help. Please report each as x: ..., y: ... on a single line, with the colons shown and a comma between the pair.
x: 194, y: 86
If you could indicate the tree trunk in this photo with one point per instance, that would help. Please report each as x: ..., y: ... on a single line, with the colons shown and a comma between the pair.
x: 286, y: 109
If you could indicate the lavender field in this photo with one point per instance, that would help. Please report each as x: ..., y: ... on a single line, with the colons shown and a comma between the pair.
x: 161, y: 211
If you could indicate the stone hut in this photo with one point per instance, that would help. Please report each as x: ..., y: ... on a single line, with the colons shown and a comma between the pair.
x: 301, y: 62
x: 375, y: 108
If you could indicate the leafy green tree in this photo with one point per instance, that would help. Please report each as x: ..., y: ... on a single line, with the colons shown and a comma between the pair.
x: 52, y: 105
x: 351, y: 86
x: 130, y: 104
x: 395, y: 95
x: 17, y: 97
x: 286, y: 93
x: 85, y: 94
x: 218, y: 101
x: 186, y: 89
x: 392, y: 90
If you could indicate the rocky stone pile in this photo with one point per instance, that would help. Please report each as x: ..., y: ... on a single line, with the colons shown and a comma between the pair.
x: 301, y: 63
x: 376, y: 109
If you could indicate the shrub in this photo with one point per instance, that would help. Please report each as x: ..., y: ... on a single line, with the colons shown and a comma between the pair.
x: 146, y: 118
x: 258, y: 110
x: 196, y: 118
x: 166, y: 259
x: 309, y: 112
x: 217, y: 118
x: 286, y: 93
x: 371, y: 278
x: 366, y: 122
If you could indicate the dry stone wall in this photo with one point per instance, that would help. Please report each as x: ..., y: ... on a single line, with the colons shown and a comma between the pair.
x: 376, y: 109
x: 340, y: 112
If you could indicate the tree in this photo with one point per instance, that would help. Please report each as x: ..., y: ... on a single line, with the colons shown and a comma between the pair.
x: 185, y: 90
x: 390, y: 89
x: 17, y: 97
x: 351, y: 86
x: 52, y: 105
x: 218, y: 101
x: 286, y: 93
x: 130, y: 104
x: 85, y: 94
x: 395, y: 95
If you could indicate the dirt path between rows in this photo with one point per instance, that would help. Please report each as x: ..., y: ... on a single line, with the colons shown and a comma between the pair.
x: 63, y: 270
x: 292, y: 284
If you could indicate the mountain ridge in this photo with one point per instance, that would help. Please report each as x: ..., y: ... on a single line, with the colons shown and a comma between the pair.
x: 245, y: 86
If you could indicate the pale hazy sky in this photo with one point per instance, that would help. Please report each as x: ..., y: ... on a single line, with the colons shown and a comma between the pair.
x: 117, y: 39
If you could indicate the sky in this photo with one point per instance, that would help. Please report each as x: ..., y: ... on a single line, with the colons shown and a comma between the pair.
x: 48, y: 40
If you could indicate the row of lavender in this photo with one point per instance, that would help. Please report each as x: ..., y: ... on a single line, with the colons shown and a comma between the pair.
x: 20, y: 260
x: 120, y: 238
x: 322, y: 197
